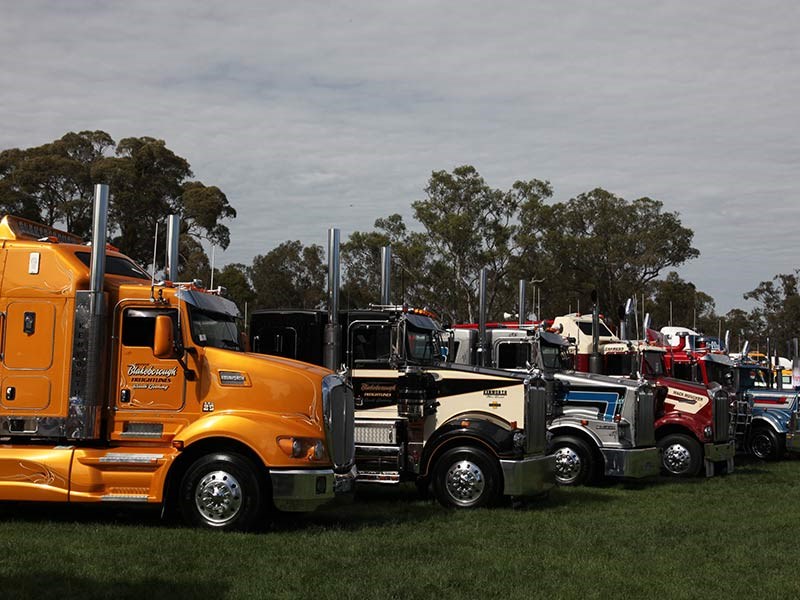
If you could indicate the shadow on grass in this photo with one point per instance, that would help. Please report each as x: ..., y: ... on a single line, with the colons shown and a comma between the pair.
x: 44, y: 585
x: 101, y: 514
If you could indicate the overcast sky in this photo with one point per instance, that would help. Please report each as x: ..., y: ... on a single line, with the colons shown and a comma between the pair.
x: 311, y: 115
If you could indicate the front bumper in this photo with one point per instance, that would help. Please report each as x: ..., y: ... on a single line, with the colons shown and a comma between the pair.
x: 528, y: 476
x: 632, y: 463
x: 302, y: 490
x: 793, y: 442
x: 720, y: 452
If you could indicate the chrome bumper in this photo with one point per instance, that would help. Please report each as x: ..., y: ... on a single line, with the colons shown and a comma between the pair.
x: 719, y: 452
x: 345, y: 483
x: 302, y: 490
x: 528, y: 476
x: 793, y: 442
x: 633, y: 463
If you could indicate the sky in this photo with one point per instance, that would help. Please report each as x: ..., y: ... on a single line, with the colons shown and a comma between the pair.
x: 313, y: 115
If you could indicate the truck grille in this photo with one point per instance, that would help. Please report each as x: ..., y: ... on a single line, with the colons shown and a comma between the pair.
x: 645, y: 433
x: 535, y: 419
x: 338, y: 408
x: 725, y: 414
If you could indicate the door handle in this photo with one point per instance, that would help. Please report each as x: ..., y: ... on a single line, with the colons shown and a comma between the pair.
x: 125, y: 396
x: 11, y: 393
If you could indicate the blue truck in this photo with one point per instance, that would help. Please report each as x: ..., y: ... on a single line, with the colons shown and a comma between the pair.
x: 775, y: 428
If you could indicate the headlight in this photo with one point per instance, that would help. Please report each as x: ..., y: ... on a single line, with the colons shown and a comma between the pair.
x: 310, y: 449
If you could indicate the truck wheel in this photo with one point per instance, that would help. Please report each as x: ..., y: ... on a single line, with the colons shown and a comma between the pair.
x: 466, y: 477
x: 765, y: 444
x: 681, y: 455
x: 222, y: 491
x: 574, y: 462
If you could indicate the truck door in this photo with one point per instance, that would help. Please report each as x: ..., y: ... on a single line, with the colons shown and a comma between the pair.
x: 146, y: 382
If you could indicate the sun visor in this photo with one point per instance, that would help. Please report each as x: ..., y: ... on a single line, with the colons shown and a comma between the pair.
x: 209, y: 302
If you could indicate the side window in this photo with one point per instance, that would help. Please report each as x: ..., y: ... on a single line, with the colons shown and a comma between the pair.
x: 370, y: 346
x: 138, y: 326
x: 512, y: 355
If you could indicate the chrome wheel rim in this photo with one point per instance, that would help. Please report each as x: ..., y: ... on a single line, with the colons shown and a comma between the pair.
x: 568, y: 465
x: 218, y: 497
x: 677, y: 459
x: 465, y: 482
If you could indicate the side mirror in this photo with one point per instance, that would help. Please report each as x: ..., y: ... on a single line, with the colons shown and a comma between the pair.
x: 164, y: 338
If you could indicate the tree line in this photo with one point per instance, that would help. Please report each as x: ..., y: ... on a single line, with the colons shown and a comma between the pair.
x: 595, y: 243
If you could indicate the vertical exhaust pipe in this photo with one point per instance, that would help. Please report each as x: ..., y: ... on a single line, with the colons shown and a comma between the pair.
x: 332, y: 349
x: 482, y: 343
x: 594, y: 357
x: 173, y: 233
x: 87, y: 384
x: 522, y: 302
x: 386, y: 274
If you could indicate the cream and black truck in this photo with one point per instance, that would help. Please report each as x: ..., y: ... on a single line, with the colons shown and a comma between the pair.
x: 472, y: 434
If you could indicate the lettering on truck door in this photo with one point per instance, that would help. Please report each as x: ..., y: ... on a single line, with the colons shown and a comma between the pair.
x: 146, y: 382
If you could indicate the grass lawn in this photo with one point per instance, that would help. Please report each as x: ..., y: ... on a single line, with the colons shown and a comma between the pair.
x: 726, y: 537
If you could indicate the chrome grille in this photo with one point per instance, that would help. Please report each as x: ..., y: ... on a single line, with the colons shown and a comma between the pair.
x: 645, y: 433
x: 535, y: 419
x: 725, y: 414
x: 338, y: 407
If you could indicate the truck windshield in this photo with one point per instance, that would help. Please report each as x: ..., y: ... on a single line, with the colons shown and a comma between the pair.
x: 653, y: 363
x: 213, y: 329
x: 751, y: 377
x: 422, y: 346
x: 552, y: 356
x: 720, y: 373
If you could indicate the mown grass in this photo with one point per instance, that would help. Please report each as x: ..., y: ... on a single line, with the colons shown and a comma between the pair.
x: 726, y: 537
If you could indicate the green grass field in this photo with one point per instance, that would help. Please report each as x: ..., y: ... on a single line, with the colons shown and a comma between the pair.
x: 726, y: 537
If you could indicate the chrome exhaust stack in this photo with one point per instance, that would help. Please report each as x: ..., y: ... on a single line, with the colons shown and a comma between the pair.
x: 173, y: 236
x: 483, y: 349
x: 386, y: 275
x: 331, y: 350
x: 87, y: 379
x: 522, y: 301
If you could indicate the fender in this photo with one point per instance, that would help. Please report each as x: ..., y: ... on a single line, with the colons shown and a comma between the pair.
x: 572, y: 428
x: 256, y: 430
x: 774, y: 418
x: 494, y: 434
x: 681, y: 420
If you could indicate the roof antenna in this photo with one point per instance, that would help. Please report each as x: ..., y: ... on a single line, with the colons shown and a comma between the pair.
x: 213, y: 249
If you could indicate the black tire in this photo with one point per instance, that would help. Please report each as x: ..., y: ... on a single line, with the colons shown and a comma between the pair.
x: 575, y: 461
x: 222, y: 491
x: 681, y: 455
x: 466, y: 477
x: 765, y: 444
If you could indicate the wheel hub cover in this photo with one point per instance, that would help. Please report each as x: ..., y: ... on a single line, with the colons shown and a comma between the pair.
x: 677, y: 458
x: 568, y: 465
x: 218, y: 497
x: 465, y: 482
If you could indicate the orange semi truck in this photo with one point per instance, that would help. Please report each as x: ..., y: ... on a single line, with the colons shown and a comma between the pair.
x: 118, y: 389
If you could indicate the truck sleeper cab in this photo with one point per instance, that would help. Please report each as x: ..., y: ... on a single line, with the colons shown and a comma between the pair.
x: 116, y: 390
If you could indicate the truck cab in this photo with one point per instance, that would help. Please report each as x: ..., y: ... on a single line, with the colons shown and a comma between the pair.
x: 773, y: 430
